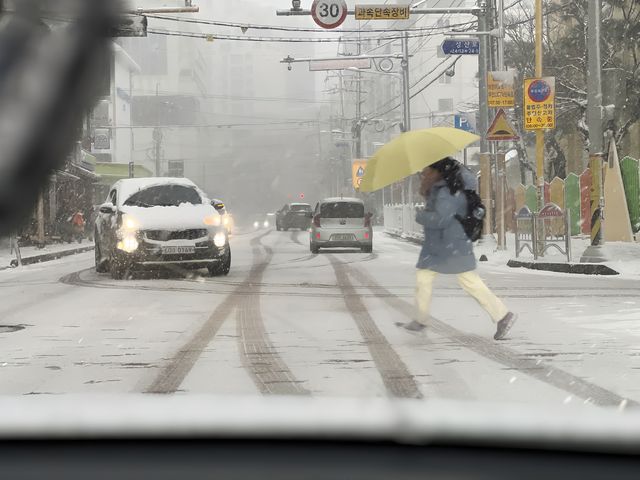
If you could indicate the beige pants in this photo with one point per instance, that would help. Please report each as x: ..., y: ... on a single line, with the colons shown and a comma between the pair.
x: 470, y: 282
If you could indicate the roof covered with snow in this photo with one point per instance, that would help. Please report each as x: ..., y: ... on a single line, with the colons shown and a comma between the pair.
x: 129, y: 186
x: 342, y: 199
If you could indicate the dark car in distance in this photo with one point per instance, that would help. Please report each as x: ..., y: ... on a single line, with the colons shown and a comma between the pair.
x: 294, y: 215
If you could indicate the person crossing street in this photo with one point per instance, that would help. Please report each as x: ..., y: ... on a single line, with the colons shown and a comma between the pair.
x: 447, y: 249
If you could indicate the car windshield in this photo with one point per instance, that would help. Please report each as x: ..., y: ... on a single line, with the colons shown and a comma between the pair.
x: 342, y: 210
x: 300, y: 208
x: 416, y: 209
x: 164, y: 196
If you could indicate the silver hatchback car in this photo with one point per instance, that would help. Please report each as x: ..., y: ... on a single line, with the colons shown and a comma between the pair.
x: 341, y: 222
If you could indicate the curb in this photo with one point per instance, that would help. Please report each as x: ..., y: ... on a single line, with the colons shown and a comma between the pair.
x: 47, y: 257
x: 407, y: 238
x: 577, y: 268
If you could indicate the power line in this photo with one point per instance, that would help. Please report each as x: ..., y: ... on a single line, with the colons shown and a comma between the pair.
x: 221, y: 125
x: 249, y: 26
x: 233, y: 97
x: 415, y: 94
x: 212, y: 37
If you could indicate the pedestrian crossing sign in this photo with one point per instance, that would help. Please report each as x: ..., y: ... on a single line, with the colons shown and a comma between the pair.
x: 501, y: 128
x: 357, y: 169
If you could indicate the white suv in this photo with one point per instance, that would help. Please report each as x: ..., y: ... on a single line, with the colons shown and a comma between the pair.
x: 341, y: 222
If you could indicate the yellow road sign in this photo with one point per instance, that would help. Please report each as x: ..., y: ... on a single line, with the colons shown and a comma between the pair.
x: 357, y: 172
x: 500, y: 89
x: 381, y: 12
x: 501, y: 128
x: 539, y: 103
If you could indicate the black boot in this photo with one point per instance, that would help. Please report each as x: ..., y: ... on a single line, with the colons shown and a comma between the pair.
x: 505, y: 325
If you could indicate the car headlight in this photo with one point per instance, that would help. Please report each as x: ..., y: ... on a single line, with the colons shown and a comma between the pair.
x: 129, y: 244
x: 129, y: 223
x: 256, y: 224
x: 220, y: 240
x: 212, y: 220
x: 266, y: 224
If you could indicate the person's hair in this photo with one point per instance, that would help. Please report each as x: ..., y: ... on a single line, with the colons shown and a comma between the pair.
x: 449, y: 169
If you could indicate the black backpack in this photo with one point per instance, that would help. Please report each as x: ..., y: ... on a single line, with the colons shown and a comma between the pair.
x: 476, y: 211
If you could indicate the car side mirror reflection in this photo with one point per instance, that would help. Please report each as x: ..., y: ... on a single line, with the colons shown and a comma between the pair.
x: 218, y: 206
x: 107, y: 208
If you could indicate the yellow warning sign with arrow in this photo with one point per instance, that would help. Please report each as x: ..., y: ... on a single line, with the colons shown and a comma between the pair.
x: 501, y: 128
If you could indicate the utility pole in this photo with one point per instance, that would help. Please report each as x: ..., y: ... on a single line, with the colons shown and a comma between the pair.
x: 359, y: 124
x: 483, y: 107
x: 482, y: 73
x: 157, y: 140
x: 406, y: 105
x: 500, y: 156
x: 40, y: 215
x: 595, y: 253
x: 539, y: 132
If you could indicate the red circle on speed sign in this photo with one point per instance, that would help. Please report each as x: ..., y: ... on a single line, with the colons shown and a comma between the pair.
x: 329, y: 13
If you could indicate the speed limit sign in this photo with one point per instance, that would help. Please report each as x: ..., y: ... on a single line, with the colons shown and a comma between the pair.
x: 329, y: 13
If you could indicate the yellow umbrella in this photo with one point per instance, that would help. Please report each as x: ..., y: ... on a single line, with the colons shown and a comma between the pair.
x: 411, y: 152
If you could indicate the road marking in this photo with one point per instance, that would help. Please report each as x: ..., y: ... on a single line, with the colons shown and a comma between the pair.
x: 508, y: 357
x: 395, y: 375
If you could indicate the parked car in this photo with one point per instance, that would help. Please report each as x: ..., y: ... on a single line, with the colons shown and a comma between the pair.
x: 155, y: 222
x: 341, y: 222
x: 293, y: 215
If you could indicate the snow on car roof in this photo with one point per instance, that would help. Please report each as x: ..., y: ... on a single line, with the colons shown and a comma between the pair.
x: 129, y: 186
x: 297, y: 203
x: 341, y: 199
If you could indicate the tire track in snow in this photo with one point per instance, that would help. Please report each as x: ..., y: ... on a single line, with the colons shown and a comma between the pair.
x: 173, y: 374
x: 396, y: 377
x: 508, y: 357
x: 259, y: 356
x: 295, y: 237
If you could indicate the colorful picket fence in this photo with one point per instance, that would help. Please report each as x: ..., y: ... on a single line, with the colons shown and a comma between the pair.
x: 631, y: 181
x: 574, y: 194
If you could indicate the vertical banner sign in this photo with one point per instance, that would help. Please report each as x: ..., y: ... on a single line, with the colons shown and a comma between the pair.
x: 539, y: 103
x: 357, y: 172
x: 500, y: 89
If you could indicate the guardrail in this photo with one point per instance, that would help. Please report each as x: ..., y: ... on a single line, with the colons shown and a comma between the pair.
x: 400, y: 220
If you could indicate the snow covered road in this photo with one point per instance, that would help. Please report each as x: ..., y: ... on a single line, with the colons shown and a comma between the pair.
x: 288, y: 322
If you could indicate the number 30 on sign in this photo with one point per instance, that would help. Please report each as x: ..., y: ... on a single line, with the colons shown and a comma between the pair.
x: 329, y: 13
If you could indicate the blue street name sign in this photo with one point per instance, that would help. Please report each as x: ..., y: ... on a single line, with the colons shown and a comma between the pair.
x: 461, y: 46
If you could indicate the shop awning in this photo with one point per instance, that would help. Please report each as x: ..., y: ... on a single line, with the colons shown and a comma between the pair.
x: 109, y: 173
x: 83, y: 172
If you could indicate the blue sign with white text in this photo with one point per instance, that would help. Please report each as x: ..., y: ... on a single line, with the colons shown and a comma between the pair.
x: 462, y: 46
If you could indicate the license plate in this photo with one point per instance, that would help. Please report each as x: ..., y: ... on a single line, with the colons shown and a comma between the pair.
x: 177, y: 250
x: 342, y: 237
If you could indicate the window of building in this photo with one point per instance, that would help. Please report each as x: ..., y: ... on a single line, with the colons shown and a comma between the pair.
x: 175, y: 168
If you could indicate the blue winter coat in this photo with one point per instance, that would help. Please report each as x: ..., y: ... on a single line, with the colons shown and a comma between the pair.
x: 446, y: 248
